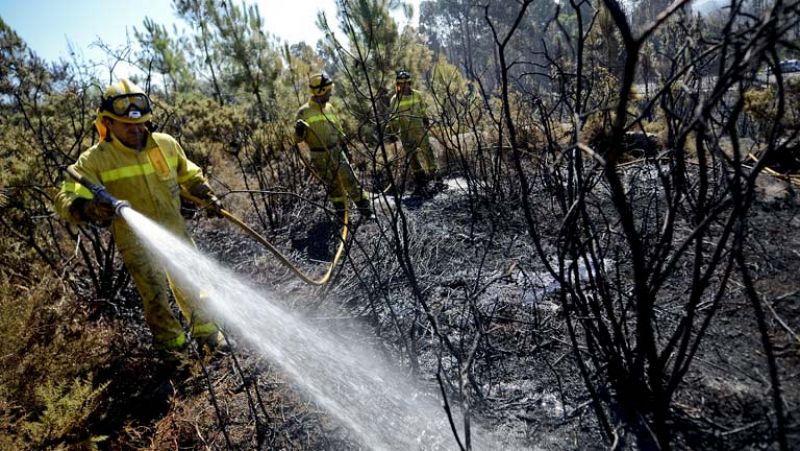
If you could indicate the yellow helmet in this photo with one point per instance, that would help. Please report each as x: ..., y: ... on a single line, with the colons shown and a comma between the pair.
x: 320, y: 84
x: 124, y: 101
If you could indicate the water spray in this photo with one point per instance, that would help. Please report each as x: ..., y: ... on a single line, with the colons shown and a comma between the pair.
x: 334, y: 367
x: 99, y: 191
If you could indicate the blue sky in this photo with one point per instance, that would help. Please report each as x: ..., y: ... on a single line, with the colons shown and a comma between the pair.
x: 48, y: 25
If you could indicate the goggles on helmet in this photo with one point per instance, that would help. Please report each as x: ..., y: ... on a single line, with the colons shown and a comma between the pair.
x: 403, y: 76
x: 131, y: 106
x: 320, y: 84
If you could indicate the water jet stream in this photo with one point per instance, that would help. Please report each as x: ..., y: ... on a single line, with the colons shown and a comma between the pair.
x: 383, y: 409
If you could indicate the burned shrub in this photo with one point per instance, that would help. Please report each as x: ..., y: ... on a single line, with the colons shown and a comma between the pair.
x: 634, y: 145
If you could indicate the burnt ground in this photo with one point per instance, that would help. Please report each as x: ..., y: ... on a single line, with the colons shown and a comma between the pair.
x: 473, y: 262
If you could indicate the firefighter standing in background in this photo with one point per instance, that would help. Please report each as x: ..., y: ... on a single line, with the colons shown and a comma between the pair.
x: 409, y: 122
x: 147, y: 169
x: 317, y: 124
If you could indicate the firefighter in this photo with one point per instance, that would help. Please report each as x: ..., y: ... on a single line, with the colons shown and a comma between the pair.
x: 318, y: 125
x: 409, y: 123
x: 147, y: 169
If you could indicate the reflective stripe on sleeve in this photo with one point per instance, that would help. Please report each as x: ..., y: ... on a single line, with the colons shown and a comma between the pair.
x: 76, y: 188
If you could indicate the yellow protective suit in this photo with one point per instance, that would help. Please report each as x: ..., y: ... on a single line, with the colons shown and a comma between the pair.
x: 407, y: 120
x: 328, y: 159
x: 150, y: 179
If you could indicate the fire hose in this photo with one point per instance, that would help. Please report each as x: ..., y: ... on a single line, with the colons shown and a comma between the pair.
x: 794, y: 179
x: 101, y: 193
x: 277, y: 253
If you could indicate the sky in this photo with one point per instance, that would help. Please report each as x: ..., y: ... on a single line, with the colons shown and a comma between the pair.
x: 50, y: 26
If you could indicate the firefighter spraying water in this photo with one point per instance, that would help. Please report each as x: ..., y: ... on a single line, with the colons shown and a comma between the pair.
x: 147, y: 170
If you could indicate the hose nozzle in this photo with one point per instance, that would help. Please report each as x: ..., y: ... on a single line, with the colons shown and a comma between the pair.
x: 119, y: 205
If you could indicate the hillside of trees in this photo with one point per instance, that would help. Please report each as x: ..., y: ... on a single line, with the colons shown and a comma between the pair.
x: 613, y: 265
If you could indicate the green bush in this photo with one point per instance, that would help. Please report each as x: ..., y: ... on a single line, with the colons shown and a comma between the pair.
x: 48, y: 398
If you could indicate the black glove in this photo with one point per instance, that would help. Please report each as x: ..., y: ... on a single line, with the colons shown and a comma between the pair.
x: 93, y: 210
x: 300, y: 129
x: 212, y: 204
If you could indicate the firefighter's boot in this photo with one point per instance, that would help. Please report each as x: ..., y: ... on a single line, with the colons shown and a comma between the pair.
x: 364, y: 208
x: 215, y: 343
x: 421, y: 186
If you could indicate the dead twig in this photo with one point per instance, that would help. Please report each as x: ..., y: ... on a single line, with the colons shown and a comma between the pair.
x: 778, y: 318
